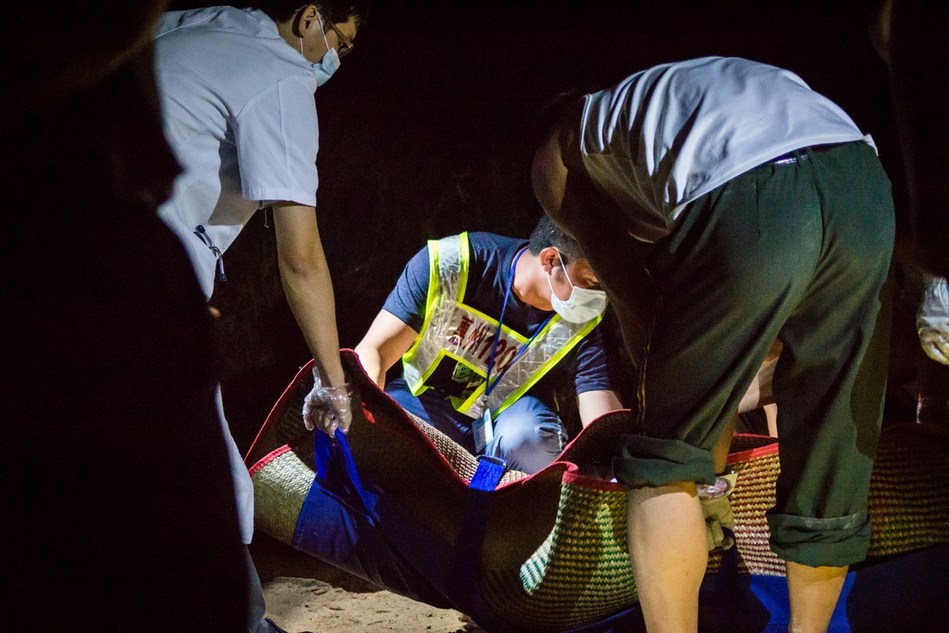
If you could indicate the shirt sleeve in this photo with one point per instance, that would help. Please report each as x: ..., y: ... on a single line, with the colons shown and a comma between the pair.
x: 277, y: 137
x: 597, y: 370
x: 407, y: 300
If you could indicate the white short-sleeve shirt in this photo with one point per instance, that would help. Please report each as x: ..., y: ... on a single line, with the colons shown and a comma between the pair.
x: 665, y: 136
x: 240, y: 115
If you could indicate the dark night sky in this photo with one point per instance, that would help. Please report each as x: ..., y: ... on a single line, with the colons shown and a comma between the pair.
x: 426, y: 128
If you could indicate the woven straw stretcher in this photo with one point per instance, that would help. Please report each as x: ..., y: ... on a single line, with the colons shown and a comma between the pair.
x: 545, y: 552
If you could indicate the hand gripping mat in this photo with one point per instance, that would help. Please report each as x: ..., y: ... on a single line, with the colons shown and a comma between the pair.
x: 545, y: 552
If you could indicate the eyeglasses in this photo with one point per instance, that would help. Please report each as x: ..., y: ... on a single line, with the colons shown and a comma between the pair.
x: 345, y: 44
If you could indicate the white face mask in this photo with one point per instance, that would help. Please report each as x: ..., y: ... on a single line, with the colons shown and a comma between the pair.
x: 328, y: 65
x: 582, y: 305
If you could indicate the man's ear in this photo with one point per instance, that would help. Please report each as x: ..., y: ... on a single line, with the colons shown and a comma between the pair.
x: 549, y: 258
x: 306, y: 19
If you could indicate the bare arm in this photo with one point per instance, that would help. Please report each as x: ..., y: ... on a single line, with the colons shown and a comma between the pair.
x: 307, y: 284
x: 760, y: 392
x: 598, y: 226
x: 593, y: 404
x: 573, y: 203
x: 387, y: 339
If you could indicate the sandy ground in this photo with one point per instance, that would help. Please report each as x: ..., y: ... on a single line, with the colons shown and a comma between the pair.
x: 306, y: 594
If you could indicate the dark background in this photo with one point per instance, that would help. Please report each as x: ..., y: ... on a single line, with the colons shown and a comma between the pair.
x: 426, y: 131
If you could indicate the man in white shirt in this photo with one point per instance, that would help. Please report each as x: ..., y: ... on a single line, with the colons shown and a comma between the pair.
x: 236, y: 87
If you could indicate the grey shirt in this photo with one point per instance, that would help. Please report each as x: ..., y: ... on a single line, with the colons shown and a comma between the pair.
x: 670, y: 134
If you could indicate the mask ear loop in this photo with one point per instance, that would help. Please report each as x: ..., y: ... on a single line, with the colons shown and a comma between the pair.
x: 300, y: 37
x: 563, y: 265
x: 550, y: 284
x: 323, y: 22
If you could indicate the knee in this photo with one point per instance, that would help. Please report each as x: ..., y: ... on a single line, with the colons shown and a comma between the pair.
x: 528, y: 435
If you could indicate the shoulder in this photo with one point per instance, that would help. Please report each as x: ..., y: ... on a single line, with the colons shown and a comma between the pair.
x: 416, y: 269
x: 489, y: 245
x: 225, y: 46
x: 220, y: 20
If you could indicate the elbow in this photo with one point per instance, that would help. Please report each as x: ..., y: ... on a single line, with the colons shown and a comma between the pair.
x: 301, y: 265
x: 366, y: 354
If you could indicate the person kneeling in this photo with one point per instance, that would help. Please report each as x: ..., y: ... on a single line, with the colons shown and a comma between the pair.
x: 487, y: 326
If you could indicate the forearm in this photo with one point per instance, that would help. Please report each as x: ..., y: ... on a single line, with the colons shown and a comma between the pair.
x: 309, y: 291
x: 371, y: 361
x: 592, y: 218
x: 619, y: 270
x: 593, y: 404
x: 597, y: 225
x: 308, y: 287
x: 564, y: 191
x: 383, y: 345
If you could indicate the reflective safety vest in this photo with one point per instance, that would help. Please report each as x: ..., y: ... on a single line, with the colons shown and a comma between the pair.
x: 455, y: 340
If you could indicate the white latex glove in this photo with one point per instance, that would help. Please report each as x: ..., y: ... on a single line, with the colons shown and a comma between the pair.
x: 327, y: 407
x: 932, y: 320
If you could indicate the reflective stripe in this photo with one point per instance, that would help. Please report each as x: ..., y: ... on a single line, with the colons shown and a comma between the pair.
x: 458, y: 334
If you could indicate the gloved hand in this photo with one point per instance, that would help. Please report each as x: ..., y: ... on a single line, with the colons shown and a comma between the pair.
x: 932, y: 320
x: 717, y: 508
x: 327, y: 407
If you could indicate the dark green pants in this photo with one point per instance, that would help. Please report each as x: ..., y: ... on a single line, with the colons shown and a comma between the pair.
x: 797, y: 250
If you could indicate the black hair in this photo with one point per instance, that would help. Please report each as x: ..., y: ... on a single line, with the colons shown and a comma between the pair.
x: 554, y: 111
x: 336, y: 11
x: 546, y: 233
